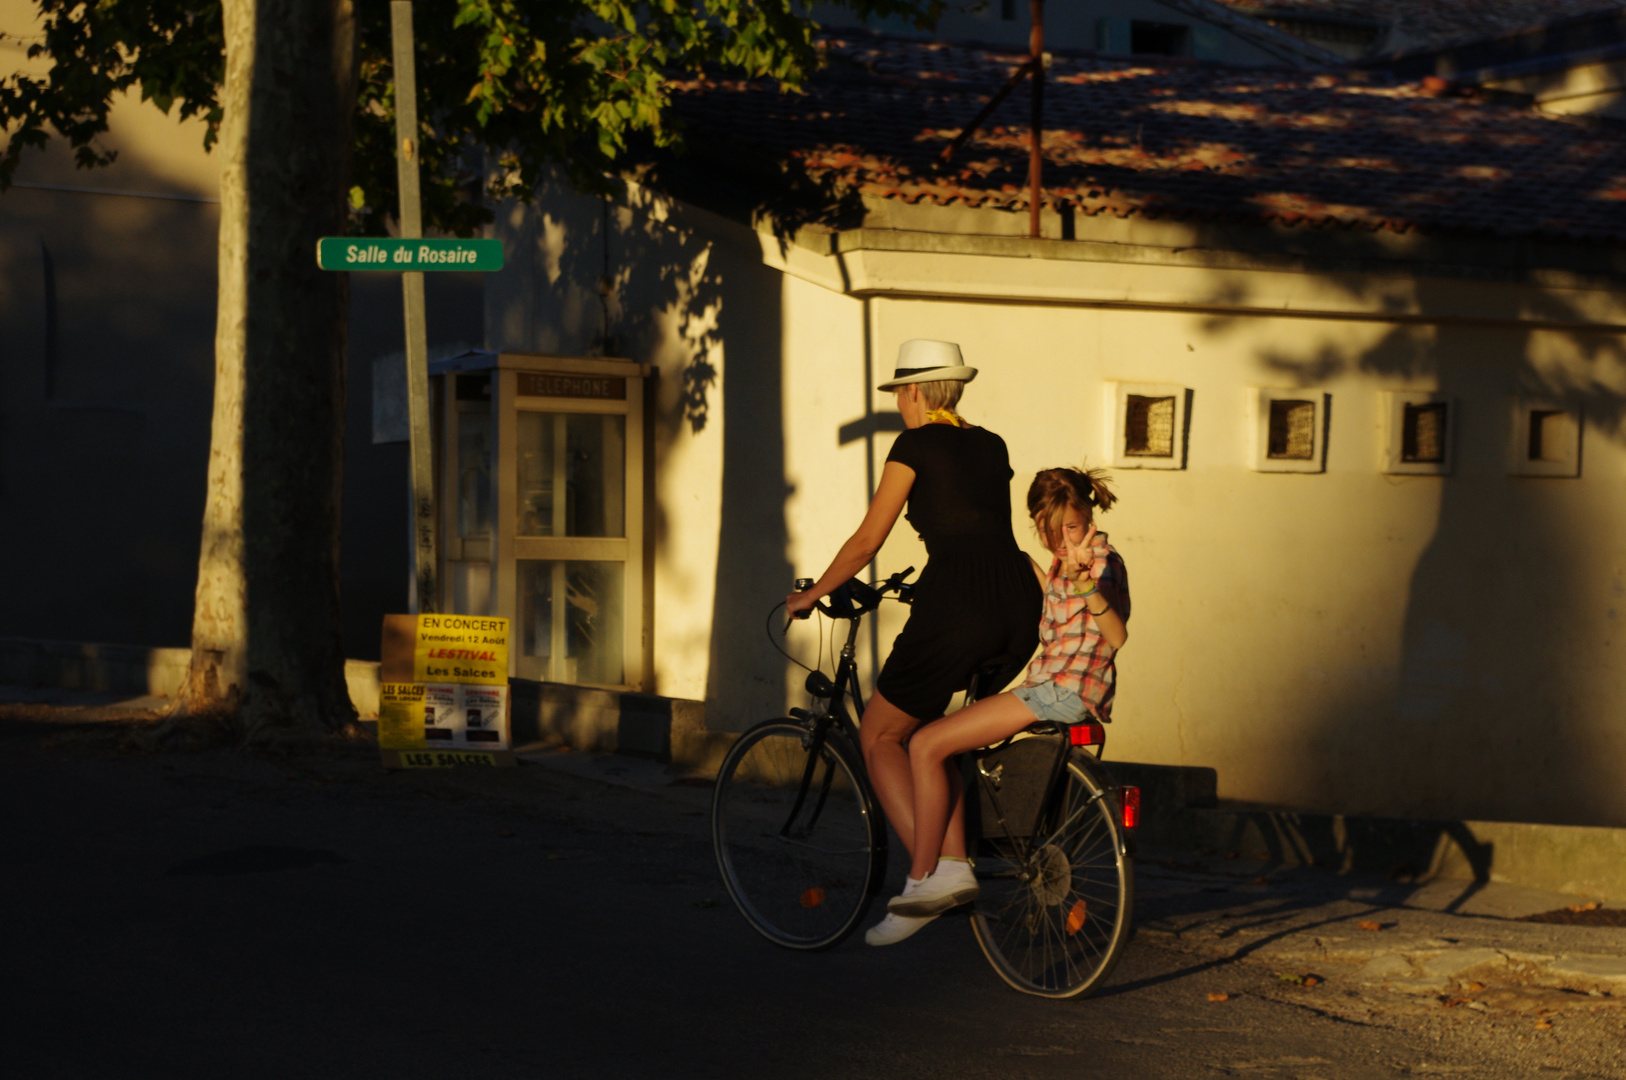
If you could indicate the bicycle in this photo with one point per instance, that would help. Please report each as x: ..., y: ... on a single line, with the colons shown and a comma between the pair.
x: 802, y: 844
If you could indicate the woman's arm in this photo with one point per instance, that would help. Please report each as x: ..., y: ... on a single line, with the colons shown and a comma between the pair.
x: 890, y: 495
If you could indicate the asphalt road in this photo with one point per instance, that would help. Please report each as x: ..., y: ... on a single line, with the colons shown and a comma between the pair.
x: 224, y: 914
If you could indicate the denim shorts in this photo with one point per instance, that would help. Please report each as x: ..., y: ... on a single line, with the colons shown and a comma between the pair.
x: 1050, y: 702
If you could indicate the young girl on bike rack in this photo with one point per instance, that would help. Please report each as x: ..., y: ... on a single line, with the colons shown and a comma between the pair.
x: 1086, y: 605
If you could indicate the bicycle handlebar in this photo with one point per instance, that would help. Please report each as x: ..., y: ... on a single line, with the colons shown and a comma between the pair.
x: 856, y: 598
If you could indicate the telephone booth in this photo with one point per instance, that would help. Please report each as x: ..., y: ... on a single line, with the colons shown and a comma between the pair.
x: 539, y: 463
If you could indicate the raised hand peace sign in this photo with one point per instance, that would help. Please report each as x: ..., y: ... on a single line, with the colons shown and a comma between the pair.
x: 1088, y: 556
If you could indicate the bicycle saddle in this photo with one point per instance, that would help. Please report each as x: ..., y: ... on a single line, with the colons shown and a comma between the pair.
x: 990, y: 676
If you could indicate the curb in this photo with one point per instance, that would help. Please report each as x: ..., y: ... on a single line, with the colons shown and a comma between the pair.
x: 1578, y: 859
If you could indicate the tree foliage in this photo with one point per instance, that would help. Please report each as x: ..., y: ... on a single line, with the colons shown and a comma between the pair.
x: 507, y: 88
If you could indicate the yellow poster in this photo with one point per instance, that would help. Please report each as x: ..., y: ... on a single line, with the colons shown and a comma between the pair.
x: 443, y: 688
x: 461, y: 649
x: 400, y: 716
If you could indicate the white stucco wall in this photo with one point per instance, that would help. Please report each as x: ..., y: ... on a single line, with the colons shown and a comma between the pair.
x: 1076, y: 26
x: 1597, y: 88
x: 1344, y: 640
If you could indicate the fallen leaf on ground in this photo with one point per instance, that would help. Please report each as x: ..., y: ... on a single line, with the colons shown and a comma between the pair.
x: 1543, y: 1025
x: 1227, y: 997
x: 1309, y: 978
x: 1451, y: 1003
x: 1475, y: 987
x: 1590, y: 905
x: 1368, y: 924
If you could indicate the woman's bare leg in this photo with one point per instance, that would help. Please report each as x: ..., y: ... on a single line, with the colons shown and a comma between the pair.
x: 938, y: 817
x: 954, y: 839
x: 884, y: 730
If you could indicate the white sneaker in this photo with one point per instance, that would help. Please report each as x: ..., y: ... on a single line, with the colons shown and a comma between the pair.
x: 893, y: 929
x: 953, y: 883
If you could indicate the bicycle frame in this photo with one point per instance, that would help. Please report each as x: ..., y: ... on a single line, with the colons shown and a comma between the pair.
x: 1038, y: 826
x: 845, y: 685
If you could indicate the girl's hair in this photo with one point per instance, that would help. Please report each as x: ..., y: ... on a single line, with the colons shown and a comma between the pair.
x: 942, y: 393
x: 1054, y: 491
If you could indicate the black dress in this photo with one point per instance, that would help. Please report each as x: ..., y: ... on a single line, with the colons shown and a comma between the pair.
x: 977, y: 598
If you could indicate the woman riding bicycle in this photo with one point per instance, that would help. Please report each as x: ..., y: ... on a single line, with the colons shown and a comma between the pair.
x: 976, y: 599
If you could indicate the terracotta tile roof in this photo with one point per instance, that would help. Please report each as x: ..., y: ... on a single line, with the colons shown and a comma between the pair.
x: 1187, y: 140
x: 1432, y: 23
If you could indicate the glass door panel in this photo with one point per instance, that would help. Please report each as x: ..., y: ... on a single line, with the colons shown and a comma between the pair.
x: 581, y: 639
x: 571, y: 473
x: 474, y: 474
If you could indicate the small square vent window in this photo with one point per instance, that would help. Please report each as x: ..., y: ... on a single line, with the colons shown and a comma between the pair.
x: 1422, y: 434
x: 1546, y: 439
x: 1146, y: 425
x: 1287, y: 430
x: 1418, y: 428
x: 1292, y: 430
x: 1549, y: 431
x: 1159, y: 39
x: 1149, y: 426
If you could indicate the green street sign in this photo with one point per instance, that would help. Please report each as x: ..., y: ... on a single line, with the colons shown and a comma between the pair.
x: 392, y: 254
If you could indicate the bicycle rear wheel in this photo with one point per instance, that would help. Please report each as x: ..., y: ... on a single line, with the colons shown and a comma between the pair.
x: 1055, y: 910
x: 799, y: 843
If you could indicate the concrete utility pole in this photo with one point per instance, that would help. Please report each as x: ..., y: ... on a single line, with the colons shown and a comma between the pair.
x: 425, y: 595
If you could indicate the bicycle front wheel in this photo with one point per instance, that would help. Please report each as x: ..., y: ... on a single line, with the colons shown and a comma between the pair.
x: 799, y: 843
x: 1055, y: 912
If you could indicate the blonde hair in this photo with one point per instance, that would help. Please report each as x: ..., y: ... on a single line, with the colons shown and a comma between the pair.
x: 1055, y: 491
x: 941, y: 393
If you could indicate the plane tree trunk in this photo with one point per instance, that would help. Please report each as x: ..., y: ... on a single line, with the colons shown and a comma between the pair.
x: 267, y: 658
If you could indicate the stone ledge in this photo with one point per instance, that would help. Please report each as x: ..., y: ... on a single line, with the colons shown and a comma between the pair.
x: 1578, y: 859
x: 614, y: 721
x: 136, y: 670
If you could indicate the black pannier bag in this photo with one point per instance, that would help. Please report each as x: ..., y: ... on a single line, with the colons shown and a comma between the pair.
x: 1015, y: 778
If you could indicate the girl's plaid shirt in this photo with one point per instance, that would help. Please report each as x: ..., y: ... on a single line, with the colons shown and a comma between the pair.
x: 1072, y: 652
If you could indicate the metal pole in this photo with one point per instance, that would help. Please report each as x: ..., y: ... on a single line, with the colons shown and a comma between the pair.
x: 1035, y: 156
x: 425, y: 561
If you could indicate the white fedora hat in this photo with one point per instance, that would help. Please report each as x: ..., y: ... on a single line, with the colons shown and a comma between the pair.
x: 925, y: 360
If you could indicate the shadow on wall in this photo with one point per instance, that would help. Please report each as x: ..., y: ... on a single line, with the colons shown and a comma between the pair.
x: 376, y: 533
x: 1509, y: 685
x: 633, y: 276
x: 1406, y: 851
x: 746, y: 682
x: 107, y: 313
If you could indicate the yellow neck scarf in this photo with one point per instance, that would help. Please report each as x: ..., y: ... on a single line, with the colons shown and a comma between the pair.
x: 946, y: 416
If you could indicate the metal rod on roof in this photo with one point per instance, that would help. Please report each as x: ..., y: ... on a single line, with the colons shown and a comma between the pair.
x: 1035, y: 154
x: 987, y: 110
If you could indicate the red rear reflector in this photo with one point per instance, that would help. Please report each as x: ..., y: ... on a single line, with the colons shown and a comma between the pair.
x: 1087, y: 733
x: 1129, y: 798
x: 813, y: 897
